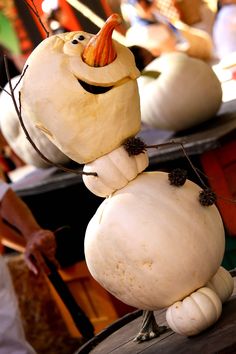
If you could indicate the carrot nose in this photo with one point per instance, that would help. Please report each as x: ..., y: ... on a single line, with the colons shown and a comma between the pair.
x: 100, y: 51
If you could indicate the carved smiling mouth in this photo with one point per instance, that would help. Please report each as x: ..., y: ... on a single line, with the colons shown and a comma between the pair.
x: 96, y: 90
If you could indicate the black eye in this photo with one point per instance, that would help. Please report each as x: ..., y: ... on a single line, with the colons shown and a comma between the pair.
x: 81, y: 38
x: 74, y: 41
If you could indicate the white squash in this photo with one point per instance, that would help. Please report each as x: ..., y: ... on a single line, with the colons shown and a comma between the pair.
x: 83, y: 125
x: 222, y: 283
x: 186, y: 93
x: 151, y: 243
x: 195, y: 313
x: 15, y: 136
x: 114, y: 171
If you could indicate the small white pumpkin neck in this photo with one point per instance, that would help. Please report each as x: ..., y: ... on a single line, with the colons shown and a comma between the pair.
x: 114, y: 171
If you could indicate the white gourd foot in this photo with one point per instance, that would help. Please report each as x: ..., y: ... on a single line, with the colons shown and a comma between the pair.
x: 195, y: 313
x: 222, y: 283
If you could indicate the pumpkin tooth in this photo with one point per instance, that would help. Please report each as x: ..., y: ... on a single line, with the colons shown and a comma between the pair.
x: 100, y: 51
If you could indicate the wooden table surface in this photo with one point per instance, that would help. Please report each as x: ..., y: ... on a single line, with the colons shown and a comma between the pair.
x: 118, y: 338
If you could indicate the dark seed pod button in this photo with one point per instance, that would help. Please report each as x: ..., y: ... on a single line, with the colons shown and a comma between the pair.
x: 177, y: 177
x: 207, y: 197
x: 134, y: 146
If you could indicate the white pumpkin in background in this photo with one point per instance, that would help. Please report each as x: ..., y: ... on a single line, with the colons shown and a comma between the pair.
x: 15, y: 136
x: 186, y: 93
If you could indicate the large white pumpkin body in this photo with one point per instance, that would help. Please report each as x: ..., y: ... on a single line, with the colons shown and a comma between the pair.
x: 151, y: 244
x: 82, y: 124
x: 15, y: 135
x: 186, y: 93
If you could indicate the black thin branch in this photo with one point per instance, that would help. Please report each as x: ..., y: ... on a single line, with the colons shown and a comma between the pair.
x: 192, y: 166
x: 21, y: 77
x: 33, y: 8
x: 226, y: 199
x: 185, y: 154
x: 3, y: 89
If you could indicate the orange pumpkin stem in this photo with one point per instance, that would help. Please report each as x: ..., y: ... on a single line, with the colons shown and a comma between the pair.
x: 100, y: 51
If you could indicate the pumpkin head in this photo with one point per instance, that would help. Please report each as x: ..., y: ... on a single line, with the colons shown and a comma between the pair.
x: 80, y: 98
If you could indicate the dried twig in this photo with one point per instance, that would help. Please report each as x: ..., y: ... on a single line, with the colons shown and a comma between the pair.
x: 22, y: 74
x: 185, y: 154
x: 197, y: 172
x: 33, y: 8
x: 3, y: 89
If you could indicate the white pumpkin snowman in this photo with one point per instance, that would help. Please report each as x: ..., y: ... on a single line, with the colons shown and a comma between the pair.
x: 150, y: 243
